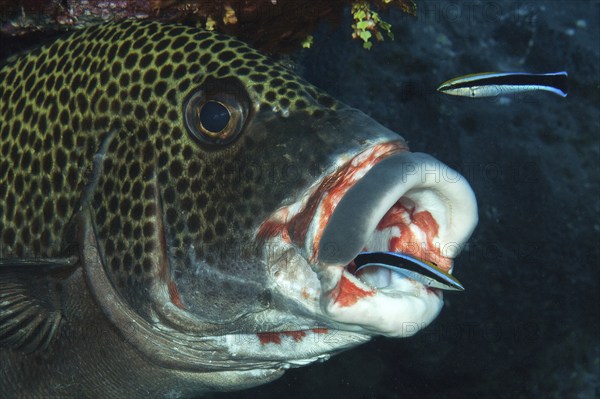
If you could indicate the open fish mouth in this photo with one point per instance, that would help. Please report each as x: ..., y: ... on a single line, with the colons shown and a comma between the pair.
x: 386, y: 199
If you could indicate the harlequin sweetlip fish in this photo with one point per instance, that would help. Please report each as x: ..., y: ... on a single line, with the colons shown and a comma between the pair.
x: 179, y: 214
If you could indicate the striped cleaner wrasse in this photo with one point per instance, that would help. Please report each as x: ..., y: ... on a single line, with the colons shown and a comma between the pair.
x: 491, y: 84
x: 179, y: 214
x: 403, y: 265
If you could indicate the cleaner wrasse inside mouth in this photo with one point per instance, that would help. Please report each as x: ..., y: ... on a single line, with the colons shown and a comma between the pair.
x: 490, y: 84
x: 422, y: 271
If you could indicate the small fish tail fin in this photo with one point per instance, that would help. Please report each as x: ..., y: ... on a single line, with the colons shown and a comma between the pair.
x: 560, y: 82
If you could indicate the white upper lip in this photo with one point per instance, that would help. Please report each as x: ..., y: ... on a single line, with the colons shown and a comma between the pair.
x: 430, y: 184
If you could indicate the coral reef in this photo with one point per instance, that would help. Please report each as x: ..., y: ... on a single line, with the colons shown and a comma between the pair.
x: 270, y: 25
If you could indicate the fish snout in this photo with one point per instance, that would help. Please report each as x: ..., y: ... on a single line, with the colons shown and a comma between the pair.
x: 408, y: 203
x: 383, y: 199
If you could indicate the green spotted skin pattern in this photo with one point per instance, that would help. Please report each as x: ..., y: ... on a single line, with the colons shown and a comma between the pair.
x: 113, y: 95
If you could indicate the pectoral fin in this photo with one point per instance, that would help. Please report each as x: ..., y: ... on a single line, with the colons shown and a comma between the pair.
x: 30, y: 311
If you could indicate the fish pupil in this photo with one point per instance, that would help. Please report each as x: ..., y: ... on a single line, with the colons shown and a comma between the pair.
x: 214, y: 116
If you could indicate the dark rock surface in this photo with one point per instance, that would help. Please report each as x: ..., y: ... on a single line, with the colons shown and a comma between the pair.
x: 528, y: 323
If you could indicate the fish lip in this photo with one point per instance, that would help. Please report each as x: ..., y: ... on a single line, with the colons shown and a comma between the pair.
x: 400, y: 175
x: 329, y: 290
x: 307, y: 227
x: 409, y: 192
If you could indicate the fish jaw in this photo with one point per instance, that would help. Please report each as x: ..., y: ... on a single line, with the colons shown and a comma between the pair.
x: 423, y: 208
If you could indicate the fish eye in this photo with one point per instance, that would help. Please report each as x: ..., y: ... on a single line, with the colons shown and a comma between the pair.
x: 215, y: 117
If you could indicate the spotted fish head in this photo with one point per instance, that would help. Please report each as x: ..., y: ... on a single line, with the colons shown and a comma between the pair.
x: 221, y: 200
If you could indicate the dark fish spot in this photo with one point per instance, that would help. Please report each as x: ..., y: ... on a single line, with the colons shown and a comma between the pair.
x: 169, y: 195
x: 67, y: 139
x: 27, y: 113
x: 127, y: 109
x: 192, y: 57
x: 251, y: 55
x: 161, y: 59
x: 124, y: 48
x: 140, y: 112
x: 64, y: 117
x: 138, y: 250
x: 182, y: 185
x: 187, y: 204
x: 115, y: 106
x: 160, y: 88
x: 112, y: 89
x: 112, y: 52
x: 150, y: 76
x: 223, y: 70
x: 150, y: 210
x: 184, y: 84
x: 166, y: 71
x: 172, y: 97
x: 25, y: 162
x: 124, y: 80
x: 171, y: 216
x: 57, y: 181
x: 47, y: 162
x: 270, y: 96
x: 103, y: 105
x: 187, y: 153
x: 116, y: 68
x: 113, y: 204
x: 101, y: 216
x: 179, y: 42
x: 193, y: 223
x: 147, y: 264
x: 145, y: 61
x: 163, y: 44
x: 176, y: 133
x: 179, y: 72
x: 146, y: 95
x: 115, y: 226
x: 175, y: 168
x: 135, y: 76
x: 72, y: 177
x: 124, y: 206
x: 301, y: 104
x: 148, y: 229
x: 18, y: 183
x: 205, y: 59
x: 104, y: 77
x: 82, y: 102
x: 208, y: 235
x: 134, y: 91
x: 173, y: 115
x: 163, y: 177
x: 177, y: 57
